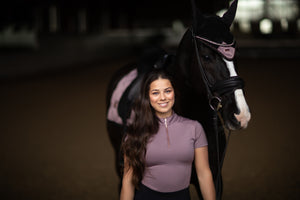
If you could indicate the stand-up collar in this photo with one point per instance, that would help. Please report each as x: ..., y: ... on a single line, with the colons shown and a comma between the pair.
x: 170, y: 119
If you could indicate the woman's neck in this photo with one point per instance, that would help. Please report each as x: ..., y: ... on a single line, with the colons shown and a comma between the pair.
x: 164, y: 115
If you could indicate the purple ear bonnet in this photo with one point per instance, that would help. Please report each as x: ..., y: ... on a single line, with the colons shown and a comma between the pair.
x: 214, y: 31
x: 226, y: 50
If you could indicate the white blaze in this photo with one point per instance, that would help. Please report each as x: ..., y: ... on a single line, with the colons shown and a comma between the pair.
x: 244, y: 116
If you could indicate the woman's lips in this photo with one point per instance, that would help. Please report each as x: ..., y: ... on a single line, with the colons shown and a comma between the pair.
x: 163, y: 104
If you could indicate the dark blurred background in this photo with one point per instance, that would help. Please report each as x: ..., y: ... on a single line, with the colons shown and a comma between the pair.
x: 57, y: 57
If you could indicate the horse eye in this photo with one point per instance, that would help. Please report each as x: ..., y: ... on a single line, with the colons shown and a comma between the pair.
x: 206, y: 57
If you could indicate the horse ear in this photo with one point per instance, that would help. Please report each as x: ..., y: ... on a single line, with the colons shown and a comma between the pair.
x: 228, y: 17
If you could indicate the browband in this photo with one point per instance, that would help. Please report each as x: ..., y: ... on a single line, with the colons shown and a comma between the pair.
x: 226, y: 50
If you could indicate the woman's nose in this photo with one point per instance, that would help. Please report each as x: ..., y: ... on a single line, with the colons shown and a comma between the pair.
x: 162, y: 96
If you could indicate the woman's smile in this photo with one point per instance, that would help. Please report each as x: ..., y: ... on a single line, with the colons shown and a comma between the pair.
x: 163, y: 104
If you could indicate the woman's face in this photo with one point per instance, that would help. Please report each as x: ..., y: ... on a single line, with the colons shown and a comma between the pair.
x: 162, y: 97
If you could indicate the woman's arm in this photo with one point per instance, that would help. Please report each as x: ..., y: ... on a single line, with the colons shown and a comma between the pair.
x: 204, y: 173
x: 127, y: 190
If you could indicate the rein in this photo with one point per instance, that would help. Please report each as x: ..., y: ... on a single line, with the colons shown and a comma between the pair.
x: 215, y: 93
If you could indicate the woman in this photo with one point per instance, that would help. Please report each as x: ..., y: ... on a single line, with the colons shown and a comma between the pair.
x: 160, y: 147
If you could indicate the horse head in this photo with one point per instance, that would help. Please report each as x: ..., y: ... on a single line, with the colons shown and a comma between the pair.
x: 207, y: 52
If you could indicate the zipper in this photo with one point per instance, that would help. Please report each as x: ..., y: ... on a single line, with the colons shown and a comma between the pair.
x: 168, y: 138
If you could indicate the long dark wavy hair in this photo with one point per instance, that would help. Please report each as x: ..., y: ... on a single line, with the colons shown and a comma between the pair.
x: 145, y: 124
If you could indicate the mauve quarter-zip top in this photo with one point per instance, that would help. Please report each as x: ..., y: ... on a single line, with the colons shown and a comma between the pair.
x: 170, y: 153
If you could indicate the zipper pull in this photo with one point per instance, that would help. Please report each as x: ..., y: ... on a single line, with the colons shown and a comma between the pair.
x: 168, y: 138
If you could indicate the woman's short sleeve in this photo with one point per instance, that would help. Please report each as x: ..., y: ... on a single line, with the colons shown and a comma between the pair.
x: 200, y: 137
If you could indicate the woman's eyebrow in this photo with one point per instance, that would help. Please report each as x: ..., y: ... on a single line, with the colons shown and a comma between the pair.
x: 168, y: 88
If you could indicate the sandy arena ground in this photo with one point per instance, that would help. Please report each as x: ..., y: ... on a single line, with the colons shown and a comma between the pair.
x: 54, y: 144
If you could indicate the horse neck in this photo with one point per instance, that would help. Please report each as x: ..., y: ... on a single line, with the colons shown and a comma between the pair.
x: 183, y: 55
x: 191, y: 103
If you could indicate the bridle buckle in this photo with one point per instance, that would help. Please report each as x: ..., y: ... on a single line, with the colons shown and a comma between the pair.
x: 215, y: 103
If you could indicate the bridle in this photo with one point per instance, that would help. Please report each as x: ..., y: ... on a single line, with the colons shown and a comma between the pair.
x: 220, y: 88
x: 216, y: 91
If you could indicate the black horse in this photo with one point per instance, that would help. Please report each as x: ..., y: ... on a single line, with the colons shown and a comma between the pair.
x: 209, y: 89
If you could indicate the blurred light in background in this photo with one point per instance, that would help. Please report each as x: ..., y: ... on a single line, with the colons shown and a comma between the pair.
x: 53, y: 19
x: 282, y: 9
x: 282, y: 12
x: 266, y: 26
x: 250, y: 10
x: 284, y: 24
x: 82, y: 21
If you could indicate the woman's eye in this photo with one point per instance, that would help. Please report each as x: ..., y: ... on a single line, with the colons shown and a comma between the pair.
x: 155, y: 93
x: 168, y: 91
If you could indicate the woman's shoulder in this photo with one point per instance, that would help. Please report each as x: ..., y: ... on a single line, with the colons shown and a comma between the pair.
x: 190, y: 124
